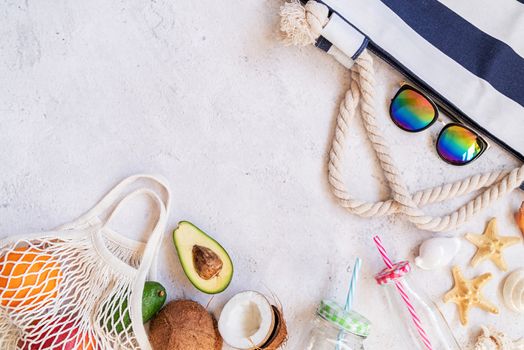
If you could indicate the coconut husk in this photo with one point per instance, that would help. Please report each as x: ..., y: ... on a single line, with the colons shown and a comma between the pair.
x: 184, y: 325
x: 279, y: 335
x: 219, y: 341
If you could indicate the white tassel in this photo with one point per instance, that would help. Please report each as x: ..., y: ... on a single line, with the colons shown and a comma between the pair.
x: 301, y: 25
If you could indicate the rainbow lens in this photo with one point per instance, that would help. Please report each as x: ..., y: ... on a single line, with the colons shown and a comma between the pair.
x: 411, y: 110
x: 459, y: 145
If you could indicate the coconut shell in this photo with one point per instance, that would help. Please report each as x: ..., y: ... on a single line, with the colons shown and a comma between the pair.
x: 279, y: 335
x: 184, y: 325
x: 219, y: 342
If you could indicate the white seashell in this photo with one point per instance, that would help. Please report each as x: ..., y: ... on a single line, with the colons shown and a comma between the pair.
x: 513, y: 291
x: 437, y: 252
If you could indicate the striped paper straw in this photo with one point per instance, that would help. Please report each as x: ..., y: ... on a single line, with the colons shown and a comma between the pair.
x: 382, y: 251
x: 401, y: 289
x: 353, y: 285
x: 351, y: 294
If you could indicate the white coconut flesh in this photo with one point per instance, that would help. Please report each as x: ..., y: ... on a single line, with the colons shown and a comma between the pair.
x: 247, y: 321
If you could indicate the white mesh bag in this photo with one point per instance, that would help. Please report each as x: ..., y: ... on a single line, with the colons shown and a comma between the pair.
x: 80, y: 286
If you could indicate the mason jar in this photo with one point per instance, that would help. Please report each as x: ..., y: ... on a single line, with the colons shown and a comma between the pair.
x: 334, y: 328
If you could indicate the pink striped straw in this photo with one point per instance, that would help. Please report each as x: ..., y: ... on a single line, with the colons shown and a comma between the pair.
x: 401, y: 289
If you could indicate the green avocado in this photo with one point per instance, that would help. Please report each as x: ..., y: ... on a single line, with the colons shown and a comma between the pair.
x: 205, y: 262
x: 153, y: 298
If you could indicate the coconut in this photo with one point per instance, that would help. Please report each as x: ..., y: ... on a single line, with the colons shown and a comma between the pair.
x: 249, y: 321
x: 184, y: 325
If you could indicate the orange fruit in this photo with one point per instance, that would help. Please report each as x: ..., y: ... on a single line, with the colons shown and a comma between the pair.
x: 29, y: 278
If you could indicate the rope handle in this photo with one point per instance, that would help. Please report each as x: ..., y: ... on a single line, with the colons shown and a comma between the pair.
x: 302, y: 25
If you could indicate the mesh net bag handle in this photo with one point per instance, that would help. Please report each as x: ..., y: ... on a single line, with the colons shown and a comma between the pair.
x: 150, y: 252
x: 148, y: 259
x: 114, y: 199
x: 111, y: 200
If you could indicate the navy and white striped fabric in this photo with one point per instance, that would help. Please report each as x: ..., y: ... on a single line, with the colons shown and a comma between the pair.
x: 468, y: 52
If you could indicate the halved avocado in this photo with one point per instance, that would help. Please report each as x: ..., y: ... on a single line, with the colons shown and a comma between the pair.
x: 205, y: 262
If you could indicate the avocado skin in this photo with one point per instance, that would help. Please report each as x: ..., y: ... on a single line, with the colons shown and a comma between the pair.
x: 153, y: 298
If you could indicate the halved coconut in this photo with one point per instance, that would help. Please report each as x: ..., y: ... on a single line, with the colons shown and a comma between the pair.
x: 247, y: 321
x: 279, y: 335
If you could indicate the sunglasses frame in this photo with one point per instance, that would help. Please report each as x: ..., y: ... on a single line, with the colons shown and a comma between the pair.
x: 406, y: 86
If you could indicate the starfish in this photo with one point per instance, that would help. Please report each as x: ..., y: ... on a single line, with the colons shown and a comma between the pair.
x: 490, y: 245
x: 467, y: 294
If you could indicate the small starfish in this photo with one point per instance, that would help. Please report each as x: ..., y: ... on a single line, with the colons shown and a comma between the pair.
x: 490, y: 245
x: 467, y: 294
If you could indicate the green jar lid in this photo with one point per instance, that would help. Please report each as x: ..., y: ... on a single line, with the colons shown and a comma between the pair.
x: 349, y: 321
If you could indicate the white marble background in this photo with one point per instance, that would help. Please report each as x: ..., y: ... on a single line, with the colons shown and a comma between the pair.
x: 203, y: 93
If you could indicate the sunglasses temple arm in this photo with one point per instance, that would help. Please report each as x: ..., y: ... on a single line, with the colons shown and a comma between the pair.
x: 522, y: 186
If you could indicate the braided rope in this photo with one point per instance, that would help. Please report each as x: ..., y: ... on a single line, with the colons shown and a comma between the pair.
x: 360, y: 97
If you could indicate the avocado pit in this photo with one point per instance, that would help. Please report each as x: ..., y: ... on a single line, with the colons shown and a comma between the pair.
x: 207, y: 263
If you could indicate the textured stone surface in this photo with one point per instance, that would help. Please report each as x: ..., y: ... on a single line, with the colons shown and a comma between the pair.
x: 203, y: 93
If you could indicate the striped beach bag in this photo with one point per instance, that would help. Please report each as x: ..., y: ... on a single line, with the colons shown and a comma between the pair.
x: 467, y: 56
